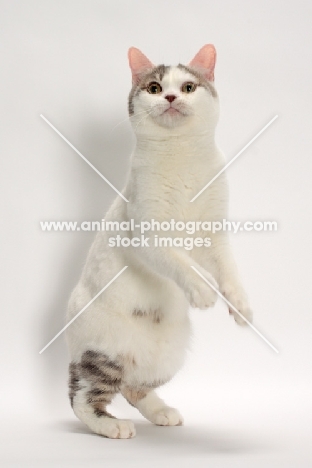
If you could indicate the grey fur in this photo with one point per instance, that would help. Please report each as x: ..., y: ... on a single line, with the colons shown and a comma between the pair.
x: 155, y: 315
x: 73, y: 381
x: 104, y: 377
x: 202, y: 81
x: 154, y: 74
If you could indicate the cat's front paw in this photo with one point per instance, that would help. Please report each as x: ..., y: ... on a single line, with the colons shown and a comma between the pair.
x: 198, y: 293
x: 237, y: 297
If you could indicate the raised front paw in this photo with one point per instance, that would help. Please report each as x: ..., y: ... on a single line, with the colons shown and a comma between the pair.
x: 238, y: 299
x: 198, y: 292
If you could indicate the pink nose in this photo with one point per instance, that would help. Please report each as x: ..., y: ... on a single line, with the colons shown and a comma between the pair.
x: 170, y: 97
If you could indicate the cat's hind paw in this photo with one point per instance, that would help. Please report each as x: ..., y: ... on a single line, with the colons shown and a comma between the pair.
x: 116, y: 428
x: 167, y: 417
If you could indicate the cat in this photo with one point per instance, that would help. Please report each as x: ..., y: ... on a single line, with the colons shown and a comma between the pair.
x: 134, y: 337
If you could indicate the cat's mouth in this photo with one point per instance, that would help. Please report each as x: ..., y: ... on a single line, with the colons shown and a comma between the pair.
x: 178, y: 109
x: 172, y: 111
x: 171, y: 115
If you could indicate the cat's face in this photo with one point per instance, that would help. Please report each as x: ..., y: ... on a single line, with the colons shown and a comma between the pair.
x: 171, y: 97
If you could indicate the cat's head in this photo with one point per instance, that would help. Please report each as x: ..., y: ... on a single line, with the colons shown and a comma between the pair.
x: 173, y: 97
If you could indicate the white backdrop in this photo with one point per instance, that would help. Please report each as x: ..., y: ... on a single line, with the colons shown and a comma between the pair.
x: 68, y: 60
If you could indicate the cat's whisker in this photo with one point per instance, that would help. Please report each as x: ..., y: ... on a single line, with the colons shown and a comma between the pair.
x: 119, y: 123
x: 145, y: 117
x: 126, y: 119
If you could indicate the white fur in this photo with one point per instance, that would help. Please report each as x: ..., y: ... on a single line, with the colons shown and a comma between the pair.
x: 175, y: 157
x: 155, y: 410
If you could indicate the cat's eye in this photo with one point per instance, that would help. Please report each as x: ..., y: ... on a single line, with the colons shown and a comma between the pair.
x: 154, y: 88
x: 188, y: 87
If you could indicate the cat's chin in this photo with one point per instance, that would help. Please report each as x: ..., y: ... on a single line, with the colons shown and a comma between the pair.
x: 171, y: 118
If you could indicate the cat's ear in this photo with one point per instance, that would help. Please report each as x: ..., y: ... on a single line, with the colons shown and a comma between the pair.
x: 139, y: 63
x: 205, y: 61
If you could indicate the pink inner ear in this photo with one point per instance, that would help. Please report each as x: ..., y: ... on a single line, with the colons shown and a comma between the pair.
x: 205, y: 60
x: 138, y: 62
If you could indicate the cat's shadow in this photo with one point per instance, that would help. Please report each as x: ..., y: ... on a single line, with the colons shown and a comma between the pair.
x: 109, y: 150
x: 182, y: 440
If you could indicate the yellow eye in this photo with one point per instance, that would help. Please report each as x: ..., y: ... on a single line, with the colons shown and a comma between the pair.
x: 154, y: 88
x: 188, y: 87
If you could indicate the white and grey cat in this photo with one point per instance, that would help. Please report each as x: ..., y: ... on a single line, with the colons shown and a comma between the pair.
x: 134, y: 336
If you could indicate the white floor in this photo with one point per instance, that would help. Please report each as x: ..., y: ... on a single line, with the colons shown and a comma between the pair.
x: 230, y: 430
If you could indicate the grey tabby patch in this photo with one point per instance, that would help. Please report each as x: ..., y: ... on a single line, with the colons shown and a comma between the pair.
x: 156, y: 315
x: 104, y: 377
x: 154, y: 74
x: 73, y: 381
x: 201, y: 80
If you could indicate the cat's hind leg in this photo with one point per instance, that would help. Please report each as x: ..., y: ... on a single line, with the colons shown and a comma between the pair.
x: 93, y: 383
x: 152, y: 407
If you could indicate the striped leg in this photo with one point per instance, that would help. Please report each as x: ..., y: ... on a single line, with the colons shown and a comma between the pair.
x: 94, y: 381
x: 152, y: 407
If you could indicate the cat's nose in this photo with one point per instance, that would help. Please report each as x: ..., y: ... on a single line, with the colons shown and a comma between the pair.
x: 170, y: 97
